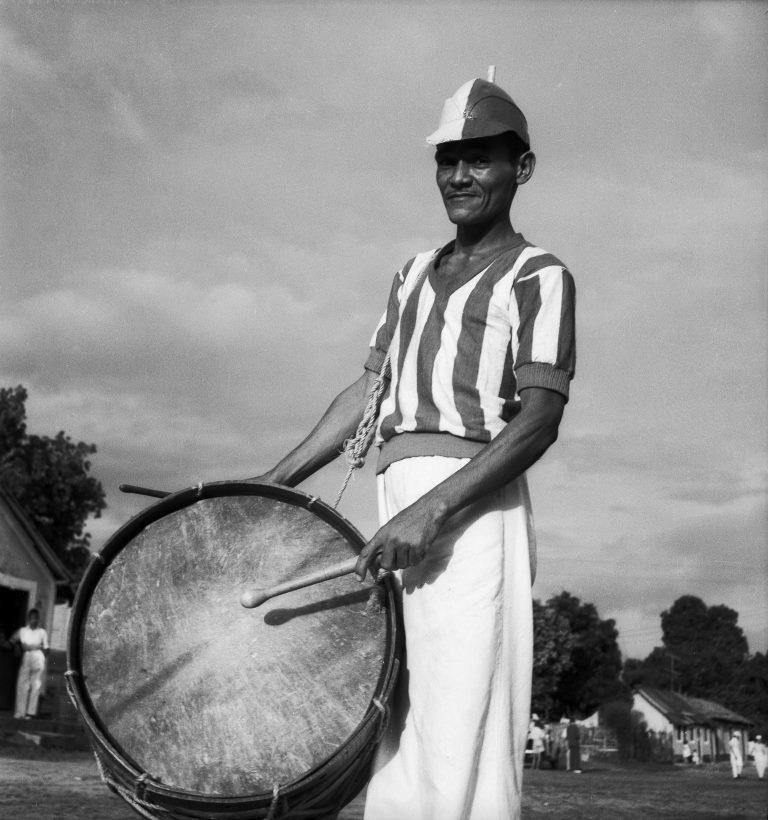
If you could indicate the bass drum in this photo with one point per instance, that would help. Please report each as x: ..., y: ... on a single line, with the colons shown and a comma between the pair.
x: 199, y: 708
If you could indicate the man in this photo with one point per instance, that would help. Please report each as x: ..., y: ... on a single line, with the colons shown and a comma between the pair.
x: 573, y: 738
x: 760, y: 755
x: 537, y: 737
x: 481, y: 347
x: 734, y: 753
x: 33, y: 642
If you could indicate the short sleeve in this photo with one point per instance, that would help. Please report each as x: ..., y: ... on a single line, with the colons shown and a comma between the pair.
x: 385, y: 329
x: 378, y: 346
x: 543, y: 323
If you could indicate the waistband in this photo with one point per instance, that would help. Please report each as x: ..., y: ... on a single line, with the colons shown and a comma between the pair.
x: 407, y: 445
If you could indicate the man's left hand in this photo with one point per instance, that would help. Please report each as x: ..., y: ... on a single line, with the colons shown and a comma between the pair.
x: 404, y: 540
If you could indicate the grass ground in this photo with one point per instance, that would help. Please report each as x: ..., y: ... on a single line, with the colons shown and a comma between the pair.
x: 39, y: 784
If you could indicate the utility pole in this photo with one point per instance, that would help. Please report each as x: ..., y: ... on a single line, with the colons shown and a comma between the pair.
x: 672, y: 672
x: 672, y: 658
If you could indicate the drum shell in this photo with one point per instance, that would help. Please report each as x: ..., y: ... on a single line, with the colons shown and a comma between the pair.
x: 324, y: 787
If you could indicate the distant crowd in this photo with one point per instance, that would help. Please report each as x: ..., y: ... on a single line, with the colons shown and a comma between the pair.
x: 559, y: 745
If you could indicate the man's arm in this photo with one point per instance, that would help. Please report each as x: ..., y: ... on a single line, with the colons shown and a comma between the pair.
x: 325, y: 442
x: 405, y: 539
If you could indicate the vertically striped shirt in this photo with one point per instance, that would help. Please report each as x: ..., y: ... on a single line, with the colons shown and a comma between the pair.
x: 463, y: 348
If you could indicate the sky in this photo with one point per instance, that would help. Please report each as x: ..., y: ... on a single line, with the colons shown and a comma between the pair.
x: 202, y: 206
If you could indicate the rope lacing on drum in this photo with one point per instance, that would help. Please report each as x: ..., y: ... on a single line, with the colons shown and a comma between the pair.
x: 134, y: 798
x: 68, y: 675
x: 273, y: 805
x: 384, y: 719
x: 140, y: 786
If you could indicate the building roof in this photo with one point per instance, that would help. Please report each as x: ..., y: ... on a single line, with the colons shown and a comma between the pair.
x: 686, y: 711
x: 716, y: 712
x: 60, y: 573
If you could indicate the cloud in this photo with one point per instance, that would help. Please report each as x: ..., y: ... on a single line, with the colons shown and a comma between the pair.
x: 203, y: 226
x: 716, y: 555
x: 723, y: 23
x: 127, y: 120
x: 22, y: 59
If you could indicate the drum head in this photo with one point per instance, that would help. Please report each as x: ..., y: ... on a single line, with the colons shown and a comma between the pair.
x: 202, y: 694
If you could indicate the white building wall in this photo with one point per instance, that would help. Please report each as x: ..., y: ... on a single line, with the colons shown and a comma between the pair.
x: 60, y: 628
x: 654, y: 719
x: 21, y: 567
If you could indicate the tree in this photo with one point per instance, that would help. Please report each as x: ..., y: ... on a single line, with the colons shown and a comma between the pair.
x: 706, y: 655
x: 630, y: 729
x: 552, y: 645
x: 707, y: 642
x: 49, y: 477
x: 592, y: 675
x: 747, y: 691
x: 659, y: 670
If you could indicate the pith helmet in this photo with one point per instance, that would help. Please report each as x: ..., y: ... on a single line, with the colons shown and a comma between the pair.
x: 480, y: 108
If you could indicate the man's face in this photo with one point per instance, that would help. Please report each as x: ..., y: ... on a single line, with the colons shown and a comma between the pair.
x: 477, y: 180
x: 34, y: 620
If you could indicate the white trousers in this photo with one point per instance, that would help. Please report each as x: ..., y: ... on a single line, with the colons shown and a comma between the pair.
x: 29, y: 682
x: 737, y: 764
x: 760, y: 760
x: 456, y: 742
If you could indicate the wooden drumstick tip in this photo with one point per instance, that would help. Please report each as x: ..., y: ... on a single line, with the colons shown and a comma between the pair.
x: 254, y: 597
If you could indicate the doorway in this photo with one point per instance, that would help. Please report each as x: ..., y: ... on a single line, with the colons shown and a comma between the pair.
x: 13, y: 615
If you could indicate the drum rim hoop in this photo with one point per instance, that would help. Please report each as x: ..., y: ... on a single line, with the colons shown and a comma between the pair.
x: 100, y: 737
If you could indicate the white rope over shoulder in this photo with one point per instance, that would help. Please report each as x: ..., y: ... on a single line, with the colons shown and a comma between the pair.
x: 355, y: 448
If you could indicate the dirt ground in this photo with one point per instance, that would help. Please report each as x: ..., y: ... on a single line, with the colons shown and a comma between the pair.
x: 37, y: 784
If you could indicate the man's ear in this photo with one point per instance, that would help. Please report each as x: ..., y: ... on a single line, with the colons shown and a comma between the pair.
x: 525, y: 166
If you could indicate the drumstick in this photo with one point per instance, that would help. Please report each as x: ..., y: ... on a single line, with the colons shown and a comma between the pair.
x: 130, y: 488
x: 256, y: 597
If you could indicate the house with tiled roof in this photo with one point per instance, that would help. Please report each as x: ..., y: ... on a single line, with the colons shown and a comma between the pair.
x: 706, y: 726
x: 31, y: 576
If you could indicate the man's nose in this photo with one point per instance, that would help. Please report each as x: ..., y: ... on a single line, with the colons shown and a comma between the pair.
x: 460, y: 176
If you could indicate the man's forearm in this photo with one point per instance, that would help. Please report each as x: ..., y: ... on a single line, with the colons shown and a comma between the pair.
x: 404, y: 539
x: 520, y: 445
x: 326, y: 440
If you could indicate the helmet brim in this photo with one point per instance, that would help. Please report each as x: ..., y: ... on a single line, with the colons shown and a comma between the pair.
x: 468, y: 129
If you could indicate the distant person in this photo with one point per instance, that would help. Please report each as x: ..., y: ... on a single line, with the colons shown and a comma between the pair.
x: 537, y: 736
x: 734, y: 749
x: 760, y: 755
x: 687, y: 753
x: 562, y: 743
x: 33, y: 642
x: 573, y: 738
x: 550, y: 745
